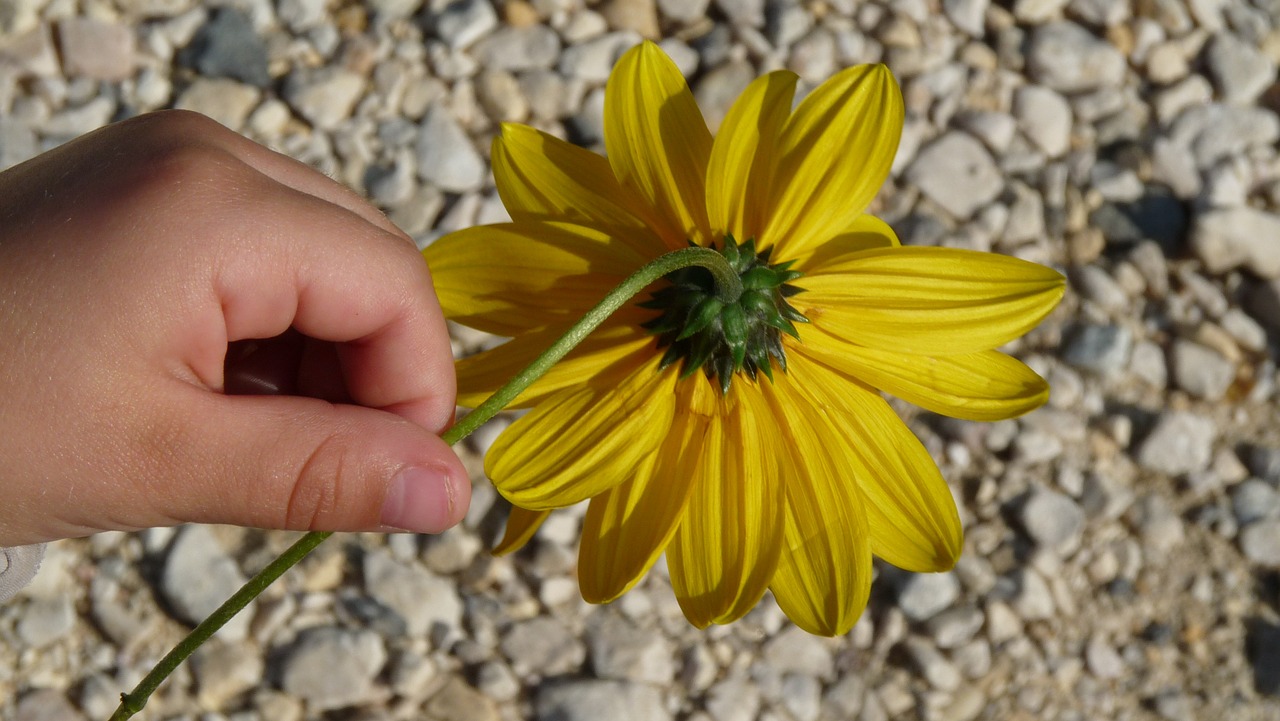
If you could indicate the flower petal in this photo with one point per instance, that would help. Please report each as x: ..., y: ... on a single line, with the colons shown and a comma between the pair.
x: 744, y: 153
x: 603, y: 358
x: 724, y: 553
x: 835, y: 153
x: 824, y: 575
x: 512, y: 277
x: 931, y: 301
x: 629, y: 526
x: 867, y: 232
x: 982, y: 386
x: 541, y: 177
x: 657, y: 142
x: 910, y: 511
x: 582, y: 442
x: 521, y: 525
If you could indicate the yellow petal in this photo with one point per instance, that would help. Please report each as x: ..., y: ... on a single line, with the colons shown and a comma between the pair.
x: 540, y: 177
x: 824, y: 575
x: 982, y: 386
x: 931, y: 301
x: 521, y: 525
x: 724, y: 553
x: 629, y: 526
x: 582, y: 442
x: 867, y: 232
x: 744, y: 153
x: 657, y: 142
x: 513, y: 277
x: 603, y: 360
x: 835, y: 153
x: 910, y: 511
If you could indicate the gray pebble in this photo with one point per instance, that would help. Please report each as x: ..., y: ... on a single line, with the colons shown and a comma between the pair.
x: 457, y: 699
x: 45, y: 704
x: 429, y: 604
x: 933, y: 665
x: 1033, y: 600
x: 593, y: 59
x: 1254, y: 500
x: 226, y: 101
x: 1102, y: 659
x: 744, y: 12
x: 683, y: 11
x: 1201, y: 371
x: 718, y: 88
x: 309, y: 669
x: 446, y: 157
x: 1100, y: 288
x: 1180, y: 443
x: 1037, y: 11
x: 460, y: 24
x: 1158, y: 525
x: 1044, y: 116
x: 46, y: 620
x: 967, y: 15
x: 1101, y: 349
x: 1148, y: 363
x: 1053, y: 520
x: 955, y: 626
x: 592, y: 700
x: 1068, y: 58
x: 1233, y: 237
x: 223, y: 671
x: 794, y: 651
x: 326, y: 96
x: 957, y: 173
x: 625, y: 652
x: 227, y: 46
x: 518, y: 49
x: 543, y: 646
x: 1260, y: 543
x: 923, y: 595
x: 1240, y: 70
x: 733, y: 699
x: 198, y: 576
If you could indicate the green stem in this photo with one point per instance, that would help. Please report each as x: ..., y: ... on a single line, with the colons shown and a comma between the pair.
x: 728, y: 288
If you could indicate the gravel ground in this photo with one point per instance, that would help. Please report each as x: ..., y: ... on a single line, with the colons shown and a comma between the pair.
x: 1122, y: 558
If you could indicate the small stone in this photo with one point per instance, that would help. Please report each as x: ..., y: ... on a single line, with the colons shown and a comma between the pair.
x: 518, y: 49
x: 223, y: 671
x: 638, y: 16
x: 1201, y: 371
x: 1067, y: 58
x: 542, y: 646
x: 957, y: 173
x: 77, y: 120
x: 1260, y: 543
x: 1053, y: 520
x: 226, y: 101
x: 1100, y: 288
x: 446, y: 157
x: 1101, y: 349
x: 683, y: 11
x: 1239, y: 70
x: 955, y: 627
x: 1044, y: 116
x: 967, y: 15
x: 936, y: 669
x: 1103, y: 13
x: 227, y: 46
x: 801, y: 697
x: 1102, y: 659
x: 593, y: 700
x: 460, y: 24
x: 429, y: 604
x: 96, y: 49
x: 1233, y: 237
x: 1255, y: 500
x: 331, y: 667
x: 1180, y: 443
x: 622, y: 651
x: 1160, y: 528
x: 46, y: 620
x: 1148, y: 363
x: 1002, y: 623
x: 923, y: 595
x: 594, y: 59
x: 324, y: 97
x: 813, y: 57
x: 733, y: 699
x: 198, y: 576
x: 719, y: 88
x: 743, y: 12
x: 794, y: 651
x: 1035, y: 12
x: 1034, y: 600
x: 45, y: 705
x: 457, y: 699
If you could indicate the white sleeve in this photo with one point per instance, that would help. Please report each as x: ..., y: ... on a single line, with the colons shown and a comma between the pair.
x: 18, y: 565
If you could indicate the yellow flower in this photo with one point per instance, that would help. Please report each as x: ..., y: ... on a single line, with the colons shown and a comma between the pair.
x: 666, y: 422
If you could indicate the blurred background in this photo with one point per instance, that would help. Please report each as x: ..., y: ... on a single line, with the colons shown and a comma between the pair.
x: 1122, y: 558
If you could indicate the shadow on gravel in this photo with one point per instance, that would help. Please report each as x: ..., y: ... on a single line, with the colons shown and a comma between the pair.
x: 1264, y: 653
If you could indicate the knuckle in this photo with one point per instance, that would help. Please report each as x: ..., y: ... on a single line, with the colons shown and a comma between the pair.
x: 330, y: 487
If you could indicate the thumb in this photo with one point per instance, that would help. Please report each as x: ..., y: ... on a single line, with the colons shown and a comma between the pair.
x: 299, y: 463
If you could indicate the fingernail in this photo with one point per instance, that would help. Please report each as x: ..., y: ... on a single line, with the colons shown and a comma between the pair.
x: 420, y: 499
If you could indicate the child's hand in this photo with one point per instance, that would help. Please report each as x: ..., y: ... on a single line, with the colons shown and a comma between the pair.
x: 136, y: 266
